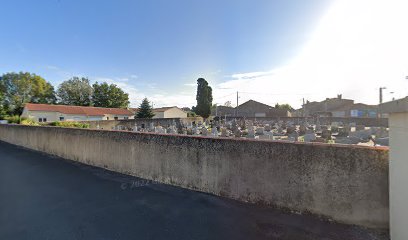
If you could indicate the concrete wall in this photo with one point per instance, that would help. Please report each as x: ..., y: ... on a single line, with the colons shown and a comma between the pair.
x: 346, y: 184
x: 399, y: 175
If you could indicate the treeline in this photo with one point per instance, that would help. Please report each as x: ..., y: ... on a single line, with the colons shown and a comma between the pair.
x: 17, y: 89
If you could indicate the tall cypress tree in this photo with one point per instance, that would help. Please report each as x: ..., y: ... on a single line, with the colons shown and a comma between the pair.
x: 204, y: 98
x: 145, y: 110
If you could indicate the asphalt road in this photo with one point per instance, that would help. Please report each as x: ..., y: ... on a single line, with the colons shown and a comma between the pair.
x: 46, y: 197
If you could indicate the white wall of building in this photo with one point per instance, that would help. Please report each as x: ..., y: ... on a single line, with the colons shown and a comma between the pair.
x: 57, y: 116
x: 399, y: 175
x: 175, y: 113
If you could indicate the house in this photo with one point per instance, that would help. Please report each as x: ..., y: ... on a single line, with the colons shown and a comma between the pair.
x: 169, y: 112
x: 338, y: 107
x: 165, y: 112
x: 251, y: 108
x: 51, y: 113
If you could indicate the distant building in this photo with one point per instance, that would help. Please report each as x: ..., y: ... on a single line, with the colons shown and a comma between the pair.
x: 251, y: 108
x: 169, y: 112
x: 338, y: 107
x: 165, y: 112
x: 52, y: 113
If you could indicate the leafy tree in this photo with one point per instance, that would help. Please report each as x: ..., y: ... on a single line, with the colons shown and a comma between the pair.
x: 204, y: 98
x: 284, y: 106
x: 23, y: 87
x: 110, y: 96
x: 75, y: 91
x: 145, y: 110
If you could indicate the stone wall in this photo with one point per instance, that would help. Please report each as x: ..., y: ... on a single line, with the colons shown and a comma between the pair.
x: 368, y: 122
x: 348, y: 184
x: 143, y: 123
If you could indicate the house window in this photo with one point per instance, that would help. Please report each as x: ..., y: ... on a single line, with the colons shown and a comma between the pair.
x: 42, y: 119
x: 116, y: 118
x: 107, y: 118
x: 126, y: 118
x: 62, y: 118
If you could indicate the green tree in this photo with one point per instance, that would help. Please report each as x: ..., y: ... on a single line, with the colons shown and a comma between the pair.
x: 75, y: 91
x: 110, y: 96
x: 24, y: 87
x: 284, y: 106
x: 204, y: 98
x: 145, y: 110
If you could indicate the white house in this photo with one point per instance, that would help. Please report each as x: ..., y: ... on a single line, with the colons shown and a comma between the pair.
x: 51, y: 113
x: 165, y: 112
x: 169, y: 112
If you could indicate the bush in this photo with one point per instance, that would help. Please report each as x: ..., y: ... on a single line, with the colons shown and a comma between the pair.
x: 70, y: 124
x: 30, y: 122
x: 14, y: 119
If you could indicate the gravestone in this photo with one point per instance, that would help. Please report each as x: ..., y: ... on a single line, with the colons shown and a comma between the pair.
x: 260, y: 131
x: 214, y: 132
x: 238, y: 133
x: 204, y: 131
x: 309, y: 136
x: 326, y: 134
x: 224, y: 132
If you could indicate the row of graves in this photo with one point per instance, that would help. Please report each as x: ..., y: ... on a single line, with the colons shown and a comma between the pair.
x: 336, y: 132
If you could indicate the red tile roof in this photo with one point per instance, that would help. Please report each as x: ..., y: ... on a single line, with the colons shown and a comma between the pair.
x: 77, y: 110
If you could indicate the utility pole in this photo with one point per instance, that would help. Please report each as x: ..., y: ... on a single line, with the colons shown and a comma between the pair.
x: 381, y: 94
x: 237, y: 98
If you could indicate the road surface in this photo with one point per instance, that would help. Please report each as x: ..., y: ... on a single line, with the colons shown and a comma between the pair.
x: 46, y: 197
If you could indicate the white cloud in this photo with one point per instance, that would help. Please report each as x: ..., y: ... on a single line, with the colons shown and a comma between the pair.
x: 358, y: 47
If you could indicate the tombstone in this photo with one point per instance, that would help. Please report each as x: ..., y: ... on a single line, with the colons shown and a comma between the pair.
x: 195, y: 131
x: 381, y: 132
x: 343, y: 132
x: 326, y: 134
x: 260, y: 131
x: 204, y: 131
x: 224, y: 132
x: 172, y: 129
x: 251, y: 132
x: 309, y: 136
x: 268, y: 135
x: 238, y: 133
x: 361, y: 134
x: 318, y: 126
x: 334, y: 129
x: 294, y: 136
x: 214, y: 132
x: 302, y: 130
x: 290, y: 130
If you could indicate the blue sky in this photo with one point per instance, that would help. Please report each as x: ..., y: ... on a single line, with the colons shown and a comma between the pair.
x: 158, y: 48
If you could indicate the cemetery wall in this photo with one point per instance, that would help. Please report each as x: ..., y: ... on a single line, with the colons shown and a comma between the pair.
x: 348, y: 184
x: 368, y: 122
x: 130, y: 123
